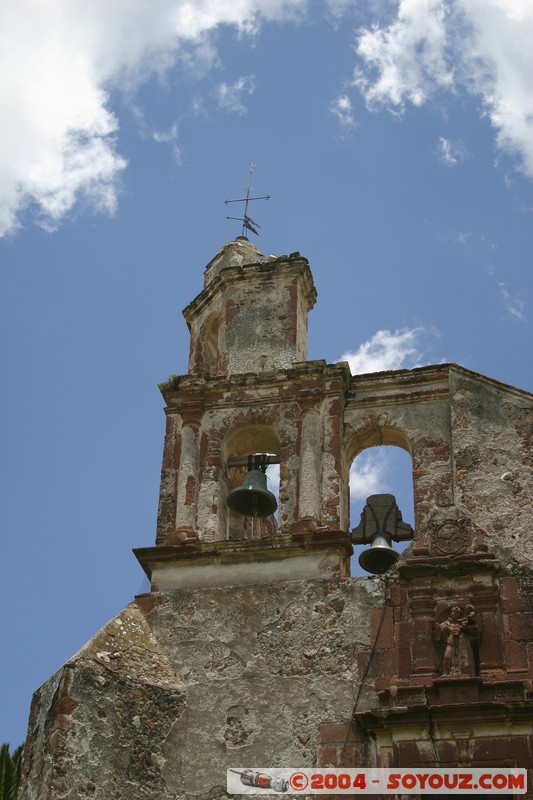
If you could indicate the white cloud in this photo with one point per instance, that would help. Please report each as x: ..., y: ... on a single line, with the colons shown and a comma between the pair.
x: 337, y: 8
x: 490, y: 44
x: 461, y: 237
x: 499, y: 60
x: 170, y: 137
x: 167, y: 136
x: 401, y: 349
x: 59, y: 61
x: 342, y: 108
x: 409, y: 56
x: 230, y: 96
x: 367, y: 475
x: 452, y: 152
x: 514, y: 304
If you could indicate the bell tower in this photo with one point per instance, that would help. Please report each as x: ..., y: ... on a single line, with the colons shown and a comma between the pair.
x: 250, y: 391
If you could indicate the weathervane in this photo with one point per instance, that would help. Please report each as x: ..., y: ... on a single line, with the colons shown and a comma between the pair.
x: 247, y: 222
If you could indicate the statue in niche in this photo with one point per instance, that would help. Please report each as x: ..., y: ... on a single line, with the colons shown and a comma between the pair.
x: 458, y: 633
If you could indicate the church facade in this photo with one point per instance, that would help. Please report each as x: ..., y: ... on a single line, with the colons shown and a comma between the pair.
x: 254, y: 646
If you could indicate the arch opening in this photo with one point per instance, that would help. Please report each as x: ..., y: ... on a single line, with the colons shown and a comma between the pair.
x: 240, y: 443
x: 380, y: 469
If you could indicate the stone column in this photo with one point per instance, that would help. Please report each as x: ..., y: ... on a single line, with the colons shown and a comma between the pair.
x: 335, y: 488
x: 309, y: 505
x: 308, y: 456
x: 210, y: 517
x: 187, y: 490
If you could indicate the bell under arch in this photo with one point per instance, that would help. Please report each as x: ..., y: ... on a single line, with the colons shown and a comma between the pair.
x: 380, y: 469
x: 239, y: 445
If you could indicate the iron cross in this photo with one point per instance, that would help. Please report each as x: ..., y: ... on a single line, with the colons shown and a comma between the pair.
x: 247, y: 222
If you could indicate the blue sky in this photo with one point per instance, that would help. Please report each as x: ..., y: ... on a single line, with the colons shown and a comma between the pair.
x: 396, y: 142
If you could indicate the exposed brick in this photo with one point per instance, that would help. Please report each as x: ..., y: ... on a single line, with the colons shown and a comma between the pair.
x: 168, y: 449
x: 408, y: 754
x: 447, y: 752
x: 177, y: 451
x: 521, y: 626
x: 384, y: 663
x: 493, y: 749
x: 423, y: 648
x: 347, y: 756
x: 490, y: 651
x: 509, y: 588
x: 404, y: 633
x: 422, y: 626
x: 404, y: 661
x: 529, y: 649
x: 515, y: 605
x: 382, y: 627
x: 203, y: 449
x: 520, y: 751
x: 327, y: 757
x: 516, y: 655
x: 490, y: 648
x: 338, y: 732
x: 189, y: 490
x: 396, y: 596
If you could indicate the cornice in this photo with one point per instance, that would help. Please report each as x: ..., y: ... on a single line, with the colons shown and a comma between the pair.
x: 254, y: 272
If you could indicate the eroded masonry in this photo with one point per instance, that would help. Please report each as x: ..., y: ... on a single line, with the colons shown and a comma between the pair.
x: 255, y: 647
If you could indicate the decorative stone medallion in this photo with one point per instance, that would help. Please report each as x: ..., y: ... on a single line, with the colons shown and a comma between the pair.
x: 450, y: 538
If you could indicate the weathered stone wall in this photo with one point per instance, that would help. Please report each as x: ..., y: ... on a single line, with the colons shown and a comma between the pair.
x: 492, y: 429
x: 96, y: 727
x: 185, y: 684
x: 409, y: 409
x: 296, y: 413
x: 470, y: 439
x: 251, y: 315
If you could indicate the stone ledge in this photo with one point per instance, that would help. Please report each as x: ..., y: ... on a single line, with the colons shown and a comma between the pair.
x: 421, y: 566
x: 480, y: 716
x: 320, y: 555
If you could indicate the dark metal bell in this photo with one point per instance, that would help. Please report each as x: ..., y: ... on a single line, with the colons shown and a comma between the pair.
x: 252, y: 498
x: 380, y: 556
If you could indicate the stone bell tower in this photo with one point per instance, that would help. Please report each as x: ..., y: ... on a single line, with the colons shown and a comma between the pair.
x: 250, y: 390
x: 254, y: 647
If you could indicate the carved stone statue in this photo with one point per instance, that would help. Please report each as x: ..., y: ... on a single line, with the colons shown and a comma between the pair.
x: 458, y: 632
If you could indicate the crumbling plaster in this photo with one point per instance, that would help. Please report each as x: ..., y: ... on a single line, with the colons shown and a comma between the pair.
x: 492, y: 430
x: 259, y: 311
x: 182, y: 685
